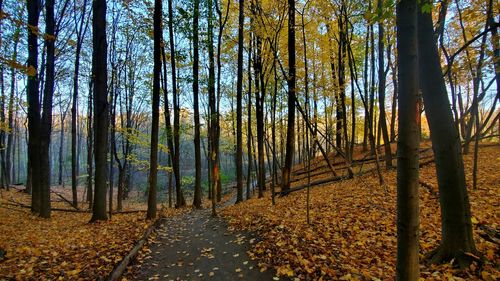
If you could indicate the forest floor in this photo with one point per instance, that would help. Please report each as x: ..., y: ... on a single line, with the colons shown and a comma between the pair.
x: 351, y: 235
x: 352, y: 230
x: 67, y: 246
x: 197, y: 246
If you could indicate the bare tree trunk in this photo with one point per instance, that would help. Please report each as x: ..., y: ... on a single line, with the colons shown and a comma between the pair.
x: 10, y: 138
x: 153, y: 158
x: 46, y: 122
x: 249, y: 119
x: 381, y: 87
x: 197, y: 151
x: 33, y: 106
x: 101, y: 108
x: 239, y: 97
x: 214, y: 152
x: 407, y: 266
x: 81, y: 31
x: 291, y: 81
x: 180, y: 201
x: 455, y: 209
x: 61, y: 149
x: 90, y: 148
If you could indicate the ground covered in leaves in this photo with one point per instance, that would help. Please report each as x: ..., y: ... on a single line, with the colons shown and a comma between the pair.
x: 352, y: 230
x: 66, y: 247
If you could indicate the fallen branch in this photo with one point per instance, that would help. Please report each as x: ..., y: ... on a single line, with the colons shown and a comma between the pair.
x: 19, y: 204
x: 117, y: 272
x: 429, y: 188
x: 312, y: 184
x: 66, y: 200
x: 490, y: 234
x: 323, y: 181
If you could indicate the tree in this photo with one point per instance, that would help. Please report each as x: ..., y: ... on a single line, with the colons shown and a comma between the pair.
x: 408, y: 142
x: 153, y: 158
x: 196, y: 62
x: 214, y: 150
x: 101, y: 108
x: 33, y: 105
x: 10, y: 138
x: 457, y: 238
x: 291, y: 81
x: 81, y: 30
x: 239, y: 97
x: 180, y: 201
x: 381, y: 86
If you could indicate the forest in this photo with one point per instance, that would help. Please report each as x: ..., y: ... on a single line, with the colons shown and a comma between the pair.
x: 249, y: 140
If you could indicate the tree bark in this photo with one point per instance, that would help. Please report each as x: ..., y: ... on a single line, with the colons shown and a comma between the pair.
x: 180, y: 201
x: 407, y: 266
x: 33, y: 106
x: 214, y: 153
x: 101, y: 108
x: 197, y: 150
x: 81, y: 31
x: 381, y: 86
x: 239, y: 96
x: 457, y: 237
x: 249, y: 119
x: 153, y: 158
x: 291, y: 81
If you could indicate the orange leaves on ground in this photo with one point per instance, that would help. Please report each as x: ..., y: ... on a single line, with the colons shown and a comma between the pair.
x: 64, y: 247
x: 352, y: 235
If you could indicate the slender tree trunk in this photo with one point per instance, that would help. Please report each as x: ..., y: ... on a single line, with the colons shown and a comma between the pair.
x: 407, y: 266
x: 381, y: 87
x: 180, y: 201
x: 239, y: 96
x: 61, y: 150
x: 291, y: 81
x: 10, y: 137
x: 249, y: 119
x: 82, y: 28
x: 46, y: 122
x: 90, y: 148
x: 101, y: 108
x: 395, y: 85
x: 197, y: 151
x: 153, y: 158
x: 214, y: 153
x: 168, y: 126
x: 33, y: 106
x: 371, y: 109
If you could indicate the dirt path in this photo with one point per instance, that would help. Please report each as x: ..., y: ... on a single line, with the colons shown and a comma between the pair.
x: 196, y: 246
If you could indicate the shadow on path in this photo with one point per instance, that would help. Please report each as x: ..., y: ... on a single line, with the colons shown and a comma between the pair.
x: 197, y: 246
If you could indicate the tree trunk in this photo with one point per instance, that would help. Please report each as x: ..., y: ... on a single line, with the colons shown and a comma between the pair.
x: 214, y: 161
x: 291, y: 81
x: 249, y: 119
x: 407, y: 266
x: 239, y: 96
x: 90, y: 148
x: 11, y: 120
x: 33, y: 106
x: 61, y: 150
x: 82, y: 28
x: 180, y: 201
x: 197, y: 150
x: 381, y: 87
x: 153, y: 158
x: 101, y: 108
x: 46, y: 122
x: 455, y: 209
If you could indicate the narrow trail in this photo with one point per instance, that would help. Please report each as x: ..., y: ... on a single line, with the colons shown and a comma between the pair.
x: 197, y: 246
